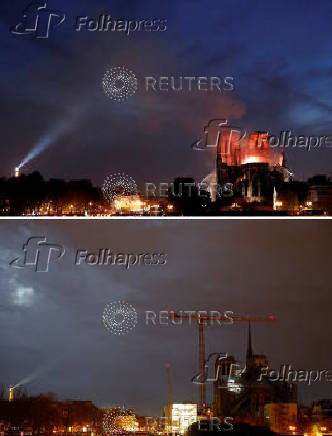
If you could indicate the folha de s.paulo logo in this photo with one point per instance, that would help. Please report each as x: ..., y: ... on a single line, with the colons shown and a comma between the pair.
x: 38, y: 254
x: 38, y: 20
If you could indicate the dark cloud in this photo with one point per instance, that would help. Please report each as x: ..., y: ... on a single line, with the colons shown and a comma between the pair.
x: 51, y: 322
x: 275, y: 87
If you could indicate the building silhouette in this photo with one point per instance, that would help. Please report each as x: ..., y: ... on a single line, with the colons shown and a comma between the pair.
x: 243, y: 393
x: 251, y: 165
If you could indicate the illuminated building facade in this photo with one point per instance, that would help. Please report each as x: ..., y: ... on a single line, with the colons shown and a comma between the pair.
x: 282, y: 417
x: 138, y: 205
x: 236, y: 150
x: 128, y: 423
x: 320, y: 194
x: 250, y: 164
x: 241, y: 391
x: 11, y: 394
x: 316, y: 420
x: 179, y: 416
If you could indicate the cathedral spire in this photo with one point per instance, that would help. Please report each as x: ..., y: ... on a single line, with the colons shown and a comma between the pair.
x: 249, y: 346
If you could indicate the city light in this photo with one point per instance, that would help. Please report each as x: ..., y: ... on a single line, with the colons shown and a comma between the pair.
x: 11, y: 393
x: 119, y: 196
x: 180, y: 416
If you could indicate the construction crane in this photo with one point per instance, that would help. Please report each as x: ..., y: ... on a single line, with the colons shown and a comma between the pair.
x: 169, y: 382
x: 202, y: 322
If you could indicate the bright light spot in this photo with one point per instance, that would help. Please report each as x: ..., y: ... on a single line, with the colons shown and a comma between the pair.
x: 23, y: 296
x: 252, y: 160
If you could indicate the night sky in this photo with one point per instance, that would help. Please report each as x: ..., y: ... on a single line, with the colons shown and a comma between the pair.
x: 279, y: 54
x: 52, y: 327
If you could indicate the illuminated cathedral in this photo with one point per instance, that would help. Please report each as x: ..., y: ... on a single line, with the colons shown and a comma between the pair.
x: 250, y: 164
x: 244, y: 394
